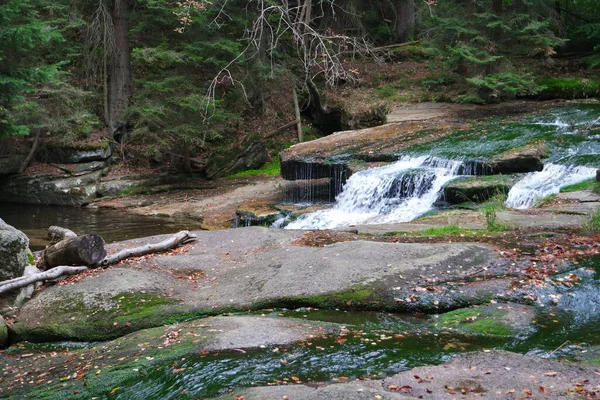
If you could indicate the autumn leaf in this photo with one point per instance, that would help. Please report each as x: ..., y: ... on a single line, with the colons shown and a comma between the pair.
x: 552, y: 373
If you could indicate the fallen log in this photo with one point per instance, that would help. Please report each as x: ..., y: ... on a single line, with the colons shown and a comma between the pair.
x: 85, y: 250
x: 53, y: 273
x: 57, y: 233
x: 181, y: 237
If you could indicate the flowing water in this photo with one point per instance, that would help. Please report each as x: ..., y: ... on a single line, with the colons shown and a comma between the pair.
x: 394, y: 193
x: 378, y: 345
x: 537, y: 185
x: 407, y: 189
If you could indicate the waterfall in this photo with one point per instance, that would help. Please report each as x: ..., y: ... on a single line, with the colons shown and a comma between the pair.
x: 397, y: 192
x: 537, y: 185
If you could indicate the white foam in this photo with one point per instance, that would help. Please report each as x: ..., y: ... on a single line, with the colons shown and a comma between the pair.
x: 537, y: 185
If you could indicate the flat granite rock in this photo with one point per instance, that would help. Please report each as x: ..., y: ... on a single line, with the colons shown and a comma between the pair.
x: 500, y: 375
x: 253, y: 268
x: 495, y: 375
x: 341, y: 391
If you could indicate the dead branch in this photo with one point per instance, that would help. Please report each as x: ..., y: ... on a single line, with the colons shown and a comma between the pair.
x: 281, y: 129
x: 29, y: 157
x: 181, y: 237
x: 589, y: 126
x: 27, y: 291
x: 43, y: 276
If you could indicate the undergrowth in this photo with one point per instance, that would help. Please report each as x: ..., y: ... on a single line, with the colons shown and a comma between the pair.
x: 269, y: 169
x: 490, y: 209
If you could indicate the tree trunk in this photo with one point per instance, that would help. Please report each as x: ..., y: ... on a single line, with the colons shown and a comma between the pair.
x: 298, y: 119
x: 81, y: 250
x: 405, y: 19
x: 29, y: 157
x: 56, y: 233
x: 497, y: 7
x: 120, y: 79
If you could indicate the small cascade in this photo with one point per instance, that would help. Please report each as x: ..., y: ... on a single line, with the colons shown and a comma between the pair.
x: 397, y: 192
x: 310, y: 183
x: 537, y: 185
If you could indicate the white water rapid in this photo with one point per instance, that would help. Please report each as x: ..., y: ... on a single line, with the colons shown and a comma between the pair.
x: 537, y: 185
x: 397, y: 192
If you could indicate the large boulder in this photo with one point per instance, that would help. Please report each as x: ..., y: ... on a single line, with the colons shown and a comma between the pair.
x: 74, y: 155
x: 14, y: 247
x: 51, y: 189
x: 477, y: 189
x: 11, y: 164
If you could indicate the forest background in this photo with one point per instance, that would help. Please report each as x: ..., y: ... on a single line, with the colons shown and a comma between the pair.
x: 191, y: 84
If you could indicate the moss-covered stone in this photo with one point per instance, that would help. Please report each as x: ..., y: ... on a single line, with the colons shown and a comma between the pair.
x: 505, y: 319
x: 3, y: 333
x: 85, y: 320
x: 477, y: 189
x: 569, y: 88
x: 359, y: 297
x: 106, y: 369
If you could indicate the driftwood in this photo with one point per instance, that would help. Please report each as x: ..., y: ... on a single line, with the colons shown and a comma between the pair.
x: 57, y: 233
x: 28, y: 290
x: 172, y: 242
x: 181, y: 237
x: 80, y: 250
x: 53, y: 273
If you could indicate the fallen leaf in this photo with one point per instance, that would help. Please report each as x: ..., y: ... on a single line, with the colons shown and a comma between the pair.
x: 552, y: 373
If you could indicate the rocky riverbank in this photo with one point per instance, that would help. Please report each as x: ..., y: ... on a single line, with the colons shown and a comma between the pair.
x: 133, y: 316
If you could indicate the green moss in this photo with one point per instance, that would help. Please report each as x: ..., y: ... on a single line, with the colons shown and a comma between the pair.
x: 30, y: 258
x: 270, y: 169
x: 477, y: 189
x: 86, y: 321
x: 115, y: 362
x: 359, y: 297
x: 590, y: 184
x: 592, y: 225
x: 475, y: 320
x: 449, y: 230
x: 571, y: 88
x: 545, y: 201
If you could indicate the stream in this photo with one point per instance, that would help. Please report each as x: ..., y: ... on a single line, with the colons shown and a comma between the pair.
x: 377, y: 345
x: 404, y: 190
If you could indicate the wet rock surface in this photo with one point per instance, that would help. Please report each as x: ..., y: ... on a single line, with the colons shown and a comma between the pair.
x: 477, y: 189
x: 108, y: 367
x: 499, y: 375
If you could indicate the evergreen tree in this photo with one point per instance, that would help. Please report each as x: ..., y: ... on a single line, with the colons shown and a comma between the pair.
x: 25, y: 40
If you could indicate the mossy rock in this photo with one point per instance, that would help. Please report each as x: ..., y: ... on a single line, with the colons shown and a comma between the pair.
x: 477, y: 189
x: 569, y: 88
x: 3, y: 333
x: 498, y: 319
x: 113, y: 369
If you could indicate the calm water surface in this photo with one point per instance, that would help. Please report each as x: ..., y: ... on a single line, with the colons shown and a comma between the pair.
x: 112, y: 225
